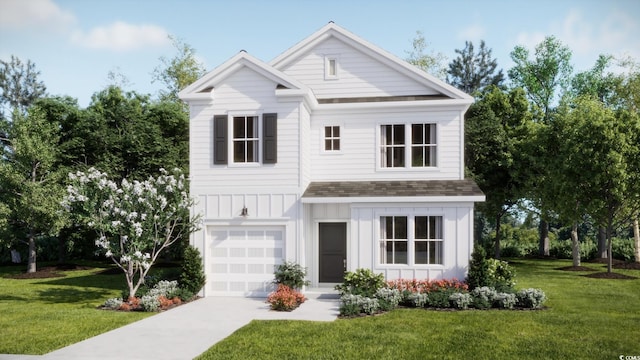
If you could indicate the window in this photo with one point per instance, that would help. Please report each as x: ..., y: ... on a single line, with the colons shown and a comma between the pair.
x: 331, y: 67
x: 411, y: 240
x: 332, y: 138
x: 245, y: 139
x: 393, y: 242
x: 396, y: 152
x: 423, y: 145
x: 428, y: 239
x: 392, y: 145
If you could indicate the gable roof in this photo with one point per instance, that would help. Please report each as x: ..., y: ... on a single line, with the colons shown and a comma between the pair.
x: 204, y: 87
x: 380, y: 191
x: 333, y: 30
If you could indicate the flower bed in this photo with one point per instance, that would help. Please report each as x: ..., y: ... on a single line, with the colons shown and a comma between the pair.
x: 163, y: 296
x: 285, y: 298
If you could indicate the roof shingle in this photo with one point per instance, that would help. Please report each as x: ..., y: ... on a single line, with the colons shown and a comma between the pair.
x: 410, y: 188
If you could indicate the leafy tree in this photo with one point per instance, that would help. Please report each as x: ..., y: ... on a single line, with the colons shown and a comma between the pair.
x: 136, y: 221
x: 19, y: 84
x: 494, y: 129
x: 471, y: 71
x: 29, y: 183
x: 432, y: 63
x: 178, y: 72
x: 544, y: 78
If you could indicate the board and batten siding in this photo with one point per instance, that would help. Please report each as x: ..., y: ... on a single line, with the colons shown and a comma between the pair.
x: 359, y: 75
x: 360, y: 155
x: 244, y: 93
x: 363, y: 249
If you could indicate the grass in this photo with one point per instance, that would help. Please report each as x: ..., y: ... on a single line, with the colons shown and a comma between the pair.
x: 41, y: 315
x: 585, y: 319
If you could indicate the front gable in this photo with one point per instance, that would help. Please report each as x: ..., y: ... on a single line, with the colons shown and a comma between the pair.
x: 337, y: 64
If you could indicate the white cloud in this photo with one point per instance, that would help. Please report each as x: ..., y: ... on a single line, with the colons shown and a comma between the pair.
x: 121, y: 36
x: 473, y: 33
x: 34, y: 14
x: 529, y: 40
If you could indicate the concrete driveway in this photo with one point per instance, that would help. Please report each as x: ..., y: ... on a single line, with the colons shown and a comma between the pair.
x: 188, y: 330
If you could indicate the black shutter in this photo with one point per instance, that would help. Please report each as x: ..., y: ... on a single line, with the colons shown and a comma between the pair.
x: 220, y: 139
x: 270, y: 138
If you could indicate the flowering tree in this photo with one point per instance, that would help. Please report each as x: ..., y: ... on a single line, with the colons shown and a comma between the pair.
x: 135, y: 221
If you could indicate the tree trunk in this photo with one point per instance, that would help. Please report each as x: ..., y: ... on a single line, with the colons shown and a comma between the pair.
x: 609, y: 247
x: 31, y: 258
x: 544, y: 238
x: 602, y: 242
x: 636, y: 237
x: 496, y: 245
x: 575, y: 245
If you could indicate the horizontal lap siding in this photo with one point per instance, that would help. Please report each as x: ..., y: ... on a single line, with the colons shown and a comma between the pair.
x: 359, y: 155
x: 358, y: 74
x: 245, y: 91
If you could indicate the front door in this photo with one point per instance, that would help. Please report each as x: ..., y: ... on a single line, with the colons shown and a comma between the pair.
x: 333, y: 251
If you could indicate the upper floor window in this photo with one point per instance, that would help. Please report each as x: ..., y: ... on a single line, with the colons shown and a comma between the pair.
x: 331, y: 67
x: 245, y: 139
x: 397, y: 152
x: 332, y: 138
x: 250, y: 139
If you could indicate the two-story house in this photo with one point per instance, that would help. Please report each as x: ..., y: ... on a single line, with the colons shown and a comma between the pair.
x: 336, y: 155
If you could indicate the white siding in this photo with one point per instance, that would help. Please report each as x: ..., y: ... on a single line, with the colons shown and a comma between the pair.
x: 358, y: 74
x: 244, y: 92
x: 359, y: 157
x: 457, y: 231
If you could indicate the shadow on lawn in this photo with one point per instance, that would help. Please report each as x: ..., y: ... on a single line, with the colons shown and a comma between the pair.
x: 72, y: 295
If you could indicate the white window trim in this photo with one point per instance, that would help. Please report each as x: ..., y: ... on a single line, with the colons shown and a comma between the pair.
x: 411, y: 261
x: 327, y: 60
x: 231, y: 162
x: 407, y: 145
x: 324, y: 151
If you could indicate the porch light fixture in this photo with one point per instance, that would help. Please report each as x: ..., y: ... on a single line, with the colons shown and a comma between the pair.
x: 245, y: 212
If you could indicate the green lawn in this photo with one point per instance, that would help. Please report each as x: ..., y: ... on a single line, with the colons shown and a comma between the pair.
x: 41, y: 315
x: 586, y: 319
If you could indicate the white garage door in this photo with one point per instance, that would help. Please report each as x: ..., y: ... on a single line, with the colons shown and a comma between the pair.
x: 242, y: 260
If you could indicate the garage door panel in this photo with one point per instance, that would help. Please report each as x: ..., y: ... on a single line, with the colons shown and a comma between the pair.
x: 243, y: 260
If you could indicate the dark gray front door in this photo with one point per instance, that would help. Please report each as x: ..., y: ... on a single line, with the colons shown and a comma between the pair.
x: 333, y: 251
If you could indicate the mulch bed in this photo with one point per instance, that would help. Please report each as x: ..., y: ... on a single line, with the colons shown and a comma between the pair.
x: 575, y: 268
x: 607, y: 275
x: 48, y: 272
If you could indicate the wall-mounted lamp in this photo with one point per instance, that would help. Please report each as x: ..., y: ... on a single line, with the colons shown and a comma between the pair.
x: 245, y: 212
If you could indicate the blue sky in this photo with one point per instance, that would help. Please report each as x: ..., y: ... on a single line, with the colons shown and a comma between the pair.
x: 76, y: 43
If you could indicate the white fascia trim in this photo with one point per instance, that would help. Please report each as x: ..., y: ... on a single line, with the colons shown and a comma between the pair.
x: 444, y: 104
x: 392, y: 199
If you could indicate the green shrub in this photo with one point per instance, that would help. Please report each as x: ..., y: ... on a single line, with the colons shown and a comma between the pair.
x: 478, y: 269
x: 563, y: 249
x: 418, y: 300
x: 623, y: 249
x: 483, y: 297
x: 192, y: 277
x: 500, y: 275
x: 184, y: 294
x: 504, y: 300
x: 459, y: 300
x: 388, y: 299
x: 361, y: 282
x: 351, y: 305
x: 531, y: 298
x: 513, y: 249
x: 285, y: 298
x: 113, y: 303
x: 439, y: 298
x: 150, y: 303
x: 291, y: 275
x: 163, y: 288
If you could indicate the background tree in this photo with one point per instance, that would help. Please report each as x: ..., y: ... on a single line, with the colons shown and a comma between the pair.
x: 178, y: 72
x: 544, y: 78
x: 433, y: 63
x: 19, y: 85
x: 30, y: 186
x: 471, y: 71
x: 493, y: 131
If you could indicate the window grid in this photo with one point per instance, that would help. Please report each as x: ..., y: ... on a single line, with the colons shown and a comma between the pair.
x: 394, y: 241
x: 428, y: 240
x: 423, y: 145
x: 392, y: 145
x: 332, y: 138
x: 245, y: 139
